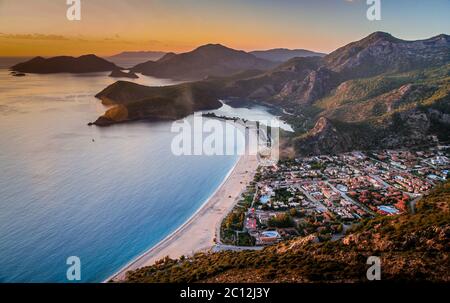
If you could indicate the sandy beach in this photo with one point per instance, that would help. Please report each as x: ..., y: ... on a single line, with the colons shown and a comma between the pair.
x: 199, y: 232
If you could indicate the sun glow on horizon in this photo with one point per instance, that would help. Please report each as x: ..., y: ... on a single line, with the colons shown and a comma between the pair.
x: 40, y: 27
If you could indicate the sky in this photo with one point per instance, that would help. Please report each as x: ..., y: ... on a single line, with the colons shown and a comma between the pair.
x: 107, y: 27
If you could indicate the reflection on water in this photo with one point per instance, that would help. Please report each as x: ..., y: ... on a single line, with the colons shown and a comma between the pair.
x: 103, y: 194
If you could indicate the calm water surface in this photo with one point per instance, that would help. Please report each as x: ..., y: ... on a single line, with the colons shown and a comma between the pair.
x: 103, y: 194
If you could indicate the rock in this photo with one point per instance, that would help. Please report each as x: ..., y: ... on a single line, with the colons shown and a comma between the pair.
x: 324, y: 138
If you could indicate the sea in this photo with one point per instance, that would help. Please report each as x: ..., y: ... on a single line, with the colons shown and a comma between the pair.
x: 102, y: 195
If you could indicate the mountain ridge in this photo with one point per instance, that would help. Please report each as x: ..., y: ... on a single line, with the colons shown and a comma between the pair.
x: 65, y: 64
x: 206, y: 60
x: 388, y: 105
x: 284, y: 54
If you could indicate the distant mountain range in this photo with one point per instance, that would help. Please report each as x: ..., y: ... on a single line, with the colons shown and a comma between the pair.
x: 150, y: 55
x: 284, y: 54
x: 65, y: 64
x: 207, y: 60
x: 130, y: 59
x: 379, y: 91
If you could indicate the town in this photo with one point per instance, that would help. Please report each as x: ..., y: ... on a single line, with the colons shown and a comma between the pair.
x: 325, y: 195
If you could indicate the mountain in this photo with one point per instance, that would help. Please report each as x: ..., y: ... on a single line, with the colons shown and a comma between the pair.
x: 381, y: 52
x: 412, y: 247
x: 151, y: 55
x: 137, y: 102
x: 284, y: 54
x: 323, y: 136
x: 379, y: 91
x: 357, y: 97
x: 389, y: 111
x: 378, y: 53
x: 65, y: 64
x: 130, y: 59
x: 207, y: 60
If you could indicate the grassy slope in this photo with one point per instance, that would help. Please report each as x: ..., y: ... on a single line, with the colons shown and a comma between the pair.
x: 411, y: 247
x: 379, y: 97
x: 371, y: 109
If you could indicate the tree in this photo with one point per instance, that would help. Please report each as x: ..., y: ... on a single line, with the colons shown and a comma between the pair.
x: 293, y: 212
x: 281, y: 220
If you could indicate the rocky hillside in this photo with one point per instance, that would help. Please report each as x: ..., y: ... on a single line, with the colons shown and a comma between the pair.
x: 206, y: 60
x: 381, y: 52
x: 400, y: 109
x: 379, y: 91
x: 137, y: 102
x: 412, y: 247
x: 65, y: 64
x: 377, y: 54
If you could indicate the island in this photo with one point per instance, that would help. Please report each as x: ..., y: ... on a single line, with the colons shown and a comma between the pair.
x: 65, y: 64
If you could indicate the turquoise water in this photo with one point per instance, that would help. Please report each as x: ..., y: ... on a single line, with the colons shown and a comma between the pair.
x: 105, y: 195
x: 61, y: 194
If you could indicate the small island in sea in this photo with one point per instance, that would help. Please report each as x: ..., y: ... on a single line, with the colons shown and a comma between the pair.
x: 65, y: 64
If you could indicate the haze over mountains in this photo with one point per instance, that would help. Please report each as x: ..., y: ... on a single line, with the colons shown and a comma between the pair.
x: 379, y: 91
x: 130, y: 59
x: 207, y: 60
x: 284, y: 54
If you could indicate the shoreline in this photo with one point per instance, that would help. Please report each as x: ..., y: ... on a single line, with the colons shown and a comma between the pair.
x: 199, y: 232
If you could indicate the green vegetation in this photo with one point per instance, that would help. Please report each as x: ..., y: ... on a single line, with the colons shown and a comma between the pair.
x: 282, y: 220
x: 385, y: 110
x: 234, y: 221
x: 364, y: 99
x: 244, y: 239
x: 318, y: 165
x: 412, y: 247
x: 282, y: 194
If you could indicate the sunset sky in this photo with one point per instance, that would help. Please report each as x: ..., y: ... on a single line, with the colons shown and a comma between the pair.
x: 40, y: 27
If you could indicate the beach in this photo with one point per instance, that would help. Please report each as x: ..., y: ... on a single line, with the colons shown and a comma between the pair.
x: 199, y: 232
